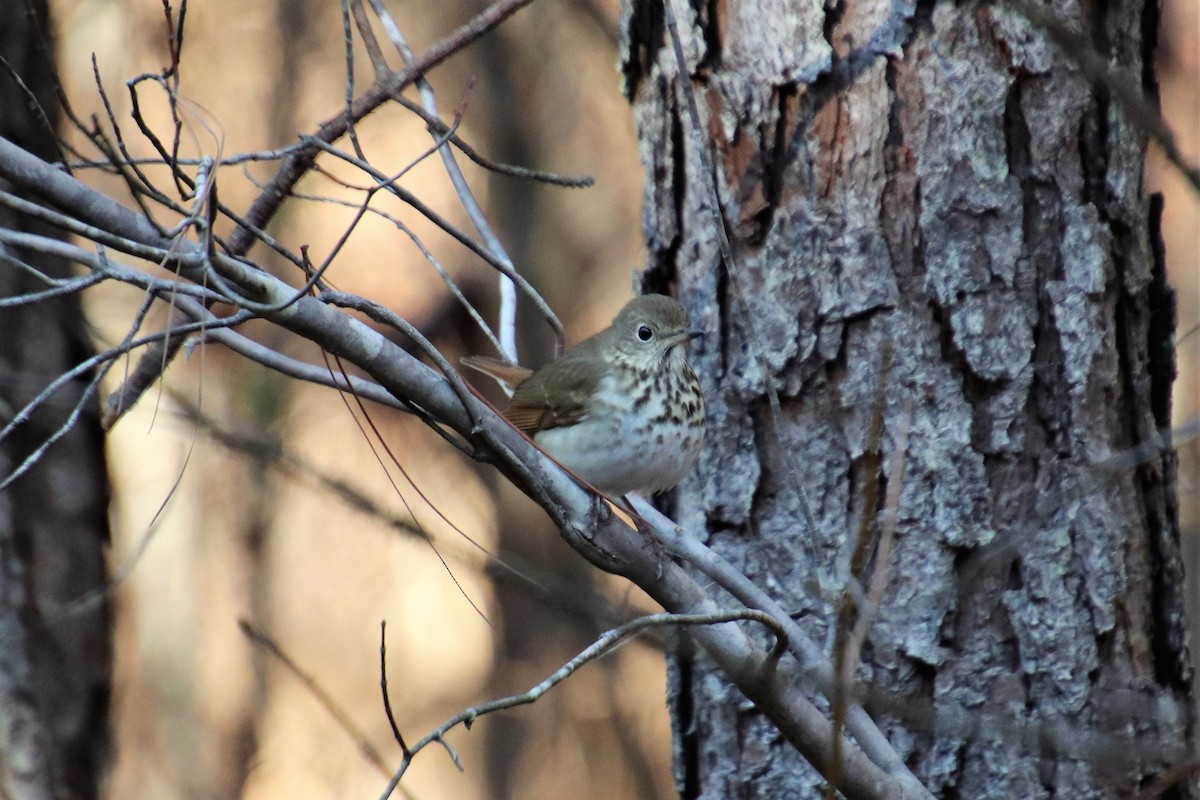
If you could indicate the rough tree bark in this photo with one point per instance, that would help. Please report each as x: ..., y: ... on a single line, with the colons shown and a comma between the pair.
x: 940, y: 182
x: 54, y: 657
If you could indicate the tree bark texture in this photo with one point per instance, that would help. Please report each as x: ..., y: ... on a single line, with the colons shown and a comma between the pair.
x: 55, y: 655
x: 934, y: 205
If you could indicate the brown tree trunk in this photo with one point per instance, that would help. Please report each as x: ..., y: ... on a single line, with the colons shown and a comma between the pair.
x: 54, y: 656
x: 935, y: 206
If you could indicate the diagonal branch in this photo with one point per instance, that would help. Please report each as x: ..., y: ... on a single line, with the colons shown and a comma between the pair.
x: 585, y: 521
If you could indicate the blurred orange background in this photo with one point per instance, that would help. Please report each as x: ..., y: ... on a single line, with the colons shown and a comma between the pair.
x: 199, y: 711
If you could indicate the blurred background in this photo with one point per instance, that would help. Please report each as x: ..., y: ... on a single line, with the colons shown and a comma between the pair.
x: 240, y: 495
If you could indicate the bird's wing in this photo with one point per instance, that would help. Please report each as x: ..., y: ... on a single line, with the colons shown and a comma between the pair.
x: 572, y: 381
x: 498, y: 369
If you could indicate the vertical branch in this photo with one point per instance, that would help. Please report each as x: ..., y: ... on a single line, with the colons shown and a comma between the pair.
x: 507, y: 325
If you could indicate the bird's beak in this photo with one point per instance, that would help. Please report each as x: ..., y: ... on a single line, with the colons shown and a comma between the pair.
x: 683, y: 337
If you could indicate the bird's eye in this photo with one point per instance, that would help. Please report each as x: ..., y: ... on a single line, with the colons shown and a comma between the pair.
x: 644, y: 333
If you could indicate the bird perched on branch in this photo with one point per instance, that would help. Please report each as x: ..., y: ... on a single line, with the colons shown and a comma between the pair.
x: 622, y: 409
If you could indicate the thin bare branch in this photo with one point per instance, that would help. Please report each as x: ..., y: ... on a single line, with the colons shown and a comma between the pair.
x: 239, y: 158
x: 369, y: 194
x: 101, y: 362
x: 348, y: 94
x: 608, y: 641
x: 136, y: 180
x: 259, y: 638
x: 367, y: 34
x: 507, y: 325
x: 456, y: 233
x: 451, y: 284
x: 58, y: 287
x: 35, y: 105
x: 436, y: 127
x: 383, y: 688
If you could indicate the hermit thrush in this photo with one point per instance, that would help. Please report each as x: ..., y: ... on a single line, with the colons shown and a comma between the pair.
x: 623, y: 409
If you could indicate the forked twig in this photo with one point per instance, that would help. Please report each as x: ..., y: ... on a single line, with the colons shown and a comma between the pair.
x: 260, y: 638
x: 607, y: 642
